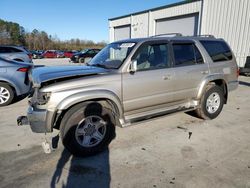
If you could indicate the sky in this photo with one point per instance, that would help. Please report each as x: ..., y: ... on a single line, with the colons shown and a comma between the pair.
x: 72, y: 18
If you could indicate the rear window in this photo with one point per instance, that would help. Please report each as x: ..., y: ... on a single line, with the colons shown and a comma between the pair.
x: 217, y: 50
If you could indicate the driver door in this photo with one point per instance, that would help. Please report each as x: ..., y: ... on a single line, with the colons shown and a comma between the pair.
x: 150, y: 86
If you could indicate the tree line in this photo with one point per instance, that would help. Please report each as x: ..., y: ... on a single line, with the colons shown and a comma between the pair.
x: 13, y: 34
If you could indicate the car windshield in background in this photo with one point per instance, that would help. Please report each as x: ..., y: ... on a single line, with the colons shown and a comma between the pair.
x: 83, y: 51
x: 113, y: 55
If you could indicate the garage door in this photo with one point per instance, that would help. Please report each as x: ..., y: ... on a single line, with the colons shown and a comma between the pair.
x: 186, y: 25
x: 122, y: 32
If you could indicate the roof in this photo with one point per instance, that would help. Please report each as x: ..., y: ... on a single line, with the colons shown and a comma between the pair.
x: 154, y: 9
x: 138, y: 40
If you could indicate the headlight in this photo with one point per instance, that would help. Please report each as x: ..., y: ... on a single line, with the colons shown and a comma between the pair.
x: 42, y: 98
x: 76, y: 56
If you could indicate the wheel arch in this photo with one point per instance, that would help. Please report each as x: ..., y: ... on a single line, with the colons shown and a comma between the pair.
x: 106, y: 98
x: 12, y: 85
x: 216, y: 80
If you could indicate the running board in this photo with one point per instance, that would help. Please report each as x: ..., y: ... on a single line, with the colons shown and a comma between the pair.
x: 135, y: 118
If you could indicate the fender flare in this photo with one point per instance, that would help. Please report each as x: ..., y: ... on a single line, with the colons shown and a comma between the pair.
x: 208, y: 79
x: 91, y: 95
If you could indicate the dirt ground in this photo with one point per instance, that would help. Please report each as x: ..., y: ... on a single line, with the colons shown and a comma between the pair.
x: 156, y: 153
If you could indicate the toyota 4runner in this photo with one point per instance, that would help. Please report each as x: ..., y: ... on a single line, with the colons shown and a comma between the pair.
x: 130, y: 81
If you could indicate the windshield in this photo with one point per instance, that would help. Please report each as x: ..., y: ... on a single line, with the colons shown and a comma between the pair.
x: 83, y: 51
x: 113, y: 55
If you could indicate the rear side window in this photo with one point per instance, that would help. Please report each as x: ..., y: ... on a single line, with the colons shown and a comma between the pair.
x: 217, y: 50
x: 15, y: 50
x: 9, y: 50
x: 4, y: 50
x: 186, y: 54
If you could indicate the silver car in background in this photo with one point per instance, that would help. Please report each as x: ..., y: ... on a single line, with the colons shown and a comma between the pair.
x: 16, y: 53
x: 14, y: 80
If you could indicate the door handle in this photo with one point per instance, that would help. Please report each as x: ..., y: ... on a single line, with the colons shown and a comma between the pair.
x: 204, y: 72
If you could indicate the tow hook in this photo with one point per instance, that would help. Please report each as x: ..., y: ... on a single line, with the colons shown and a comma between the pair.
x: 22, y: 120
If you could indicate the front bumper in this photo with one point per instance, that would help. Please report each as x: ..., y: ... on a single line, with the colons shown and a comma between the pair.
x: 37, y: 120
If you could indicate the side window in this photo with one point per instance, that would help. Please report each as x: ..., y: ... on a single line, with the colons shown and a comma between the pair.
x: 198, y: 56
x: 184, y: 54
x: 217, y: 50
x: 5, y: 50
x: 2, y: 50
x: 15, y: 50
x: 152, y: 56
x: 91, y: 52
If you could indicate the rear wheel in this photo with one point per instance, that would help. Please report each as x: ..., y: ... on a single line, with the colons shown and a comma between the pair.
x: 82, y: 60
x: 211, y: 102
x: 87, y: 129
x: 6, y: 94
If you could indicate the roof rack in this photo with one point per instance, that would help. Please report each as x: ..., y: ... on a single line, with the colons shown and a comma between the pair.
x: 168, y: 34
x: 209, y: 36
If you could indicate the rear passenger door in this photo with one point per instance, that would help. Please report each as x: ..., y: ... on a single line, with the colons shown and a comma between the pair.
x: 189, y: 68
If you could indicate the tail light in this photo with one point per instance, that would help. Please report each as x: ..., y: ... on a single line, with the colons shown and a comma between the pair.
x: 23, y: 69
x: 238, y: 72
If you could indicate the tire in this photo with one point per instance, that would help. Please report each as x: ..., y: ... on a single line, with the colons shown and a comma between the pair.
x: 82, y: 60
x: 6, y: 94
x: 210, y: 110
x: 79, y: 134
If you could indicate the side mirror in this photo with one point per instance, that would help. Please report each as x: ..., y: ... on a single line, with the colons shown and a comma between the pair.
x: 133, y: 66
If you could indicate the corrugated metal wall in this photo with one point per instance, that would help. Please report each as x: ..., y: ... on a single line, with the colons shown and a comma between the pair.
x: 143, y: 24
x: 185, y: 9
x: 229, y: 19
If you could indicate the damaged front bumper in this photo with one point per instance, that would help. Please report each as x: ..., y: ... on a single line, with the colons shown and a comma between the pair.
x: 37, y: 119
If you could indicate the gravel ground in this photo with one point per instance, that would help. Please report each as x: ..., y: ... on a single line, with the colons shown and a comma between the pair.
x: 155, y: 153
x: 54, y: 62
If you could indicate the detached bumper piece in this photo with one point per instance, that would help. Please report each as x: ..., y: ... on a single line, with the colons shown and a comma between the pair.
x: 22, y: 120
x: 35, y: 118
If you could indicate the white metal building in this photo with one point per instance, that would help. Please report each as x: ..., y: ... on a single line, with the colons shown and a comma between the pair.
x: 228, y: 19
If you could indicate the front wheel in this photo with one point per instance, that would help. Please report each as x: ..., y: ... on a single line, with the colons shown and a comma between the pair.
x: 87, y: 129
x: 211, y: 102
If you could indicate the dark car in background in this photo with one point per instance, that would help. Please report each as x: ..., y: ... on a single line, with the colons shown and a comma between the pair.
x: 14, y: 80
x: 60, y: 54
x: 17, y: 53
x: 36, y: 54
x: 84, y: 56
x: 50, y: 54
x: 246, y: 69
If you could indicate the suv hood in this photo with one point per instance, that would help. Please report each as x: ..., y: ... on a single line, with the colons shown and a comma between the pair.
x: 44, y: 74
